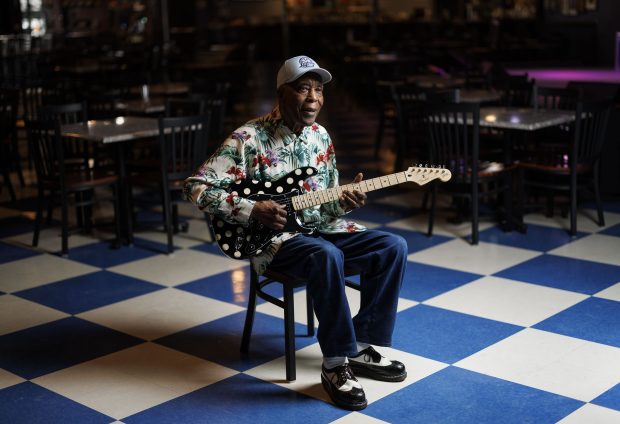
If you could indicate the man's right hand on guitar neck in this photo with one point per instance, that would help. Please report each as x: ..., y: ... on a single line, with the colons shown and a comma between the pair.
x: 270, y: 214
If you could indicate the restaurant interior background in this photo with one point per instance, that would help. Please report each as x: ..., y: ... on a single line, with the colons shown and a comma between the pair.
x: 206, y: 40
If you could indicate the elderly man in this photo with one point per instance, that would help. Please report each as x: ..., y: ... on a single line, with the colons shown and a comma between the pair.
x: 270, y: 147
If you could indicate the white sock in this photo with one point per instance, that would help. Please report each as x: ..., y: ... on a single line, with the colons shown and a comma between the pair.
x: 330, y: 362
x: 361, y: 346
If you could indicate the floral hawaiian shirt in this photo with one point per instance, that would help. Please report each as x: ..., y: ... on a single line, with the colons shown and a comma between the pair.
x: 265, y: 149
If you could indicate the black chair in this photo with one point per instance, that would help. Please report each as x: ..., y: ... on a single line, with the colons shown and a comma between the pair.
x: 516, y: 91
x: 102, y: 106
x: 574, y: 166
x: 182, y: 148
x: 386, y: 108
x: 59, y: 185
x: 553, y: 98
x: 176, y: 107
x: 454, y: 143
x: 289, y: 283
x: 9, y: 148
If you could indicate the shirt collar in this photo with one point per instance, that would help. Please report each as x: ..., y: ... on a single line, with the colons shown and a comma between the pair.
x: 288, y: 136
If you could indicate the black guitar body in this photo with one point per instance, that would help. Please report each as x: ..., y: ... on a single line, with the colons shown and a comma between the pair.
x: 241, y: 241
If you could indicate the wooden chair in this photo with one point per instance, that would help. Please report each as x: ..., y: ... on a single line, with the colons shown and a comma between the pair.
x: 61, y: 185
x: 454, y: 143
x: 573, y: 166
x: 289, y: 283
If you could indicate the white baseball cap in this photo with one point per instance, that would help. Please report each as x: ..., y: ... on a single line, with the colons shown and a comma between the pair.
x: 297, y: 66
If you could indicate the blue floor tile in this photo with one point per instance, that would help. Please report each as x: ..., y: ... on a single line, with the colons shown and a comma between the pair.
x: 538, y: 237
x: 423, y: 282
x: 15, y: 225
x: 240, y: 399
x: 219, y: 341
x: 444, y: 335
x: 594, y: 319
x: 29, y: 403
x: 90, y: 291
x: 209, y: 248
x: 564, y: 273
x: 103, y: 255
x: 50, y: 347
x: 416, y: 241
x: 612, y: 231
x: 458, y: 396
x: 380, y: 214
x: 229, y: 286
x: 609, y: 399
x: 9, y: 253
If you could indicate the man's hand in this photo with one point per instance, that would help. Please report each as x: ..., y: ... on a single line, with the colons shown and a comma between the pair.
x: 270, y: 214
x: 355, y: 199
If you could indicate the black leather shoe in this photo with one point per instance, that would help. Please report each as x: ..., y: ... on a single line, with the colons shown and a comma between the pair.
x: 343, y: 388
x: 369, y: 363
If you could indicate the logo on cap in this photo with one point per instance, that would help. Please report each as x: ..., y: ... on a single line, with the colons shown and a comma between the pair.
x: 306, y: 62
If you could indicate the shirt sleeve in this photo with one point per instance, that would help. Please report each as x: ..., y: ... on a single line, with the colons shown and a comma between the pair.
x: 209, y: 187
x: 332, y: 210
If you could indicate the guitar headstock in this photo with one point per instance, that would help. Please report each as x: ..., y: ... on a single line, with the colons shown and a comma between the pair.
x: 424, y: 174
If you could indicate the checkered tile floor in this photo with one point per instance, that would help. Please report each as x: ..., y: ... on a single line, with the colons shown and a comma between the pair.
x: 521, y: 328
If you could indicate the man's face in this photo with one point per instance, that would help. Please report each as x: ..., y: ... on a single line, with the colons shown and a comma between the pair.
x: 300, y: 101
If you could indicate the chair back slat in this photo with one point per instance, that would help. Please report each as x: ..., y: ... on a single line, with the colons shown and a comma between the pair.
x: 183, y: 145
x: 44, y: 139
x: 590, y: 131
x: 454, y: 138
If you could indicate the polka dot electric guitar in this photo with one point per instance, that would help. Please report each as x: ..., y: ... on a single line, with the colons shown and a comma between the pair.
x: 242, y: 241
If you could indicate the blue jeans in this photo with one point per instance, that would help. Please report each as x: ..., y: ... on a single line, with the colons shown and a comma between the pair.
x: 379, y: 256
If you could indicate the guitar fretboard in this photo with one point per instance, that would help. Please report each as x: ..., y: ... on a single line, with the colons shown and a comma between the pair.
x: 315, y: 198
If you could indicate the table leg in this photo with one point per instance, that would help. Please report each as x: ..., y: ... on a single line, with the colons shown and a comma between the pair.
x: 124, y: 195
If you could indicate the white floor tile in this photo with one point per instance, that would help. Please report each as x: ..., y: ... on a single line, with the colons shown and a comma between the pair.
x: 38, y: 270
x: 484, y: 258
x: 181, y: 267
x: 353, y: 296
x: 50, y: 240
x: 592, y: 414
x: 308, y: 381
x: 586, y: 220
x: 8, y: 379
x: 507, y: 300
x: 147, y: 374
x: 17, y: 314
x: 595, y: 247
x: 160, y: 313
x: 559, y: 364
x: 611, y: 293
x: 358, y: 418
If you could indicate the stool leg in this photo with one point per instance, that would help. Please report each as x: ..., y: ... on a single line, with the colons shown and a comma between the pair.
x: 310, y: 314
x: 289, y: 332
x: 249, y: 315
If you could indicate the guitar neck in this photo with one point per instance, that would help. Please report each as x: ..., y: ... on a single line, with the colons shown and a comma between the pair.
x: 319, y: 197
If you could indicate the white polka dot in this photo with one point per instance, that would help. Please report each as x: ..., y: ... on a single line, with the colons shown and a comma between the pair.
x: 258, y: 252
x: 237, y: 254
x: 261, y: 192
x: 239, y: 230
x: 289, y: 180
x: 298, y: 171
x: 301, y: 183
x: 279, y: 189
x: 254, y: 181
x: 218, y: 237
x: 248, y: 237
x: 268, y: 184
x: 220, y: 224
x: 228, y: 233
x: 247, y: 191
x: 225, y: 246
x: 309, y: 171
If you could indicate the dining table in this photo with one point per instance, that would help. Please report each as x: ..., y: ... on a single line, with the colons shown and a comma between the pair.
x: 119, y: 132
x: 150, y: 106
